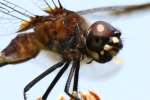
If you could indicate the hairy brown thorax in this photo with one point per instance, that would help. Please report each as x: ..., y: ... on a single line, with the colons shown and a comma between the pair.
x: 59, y: 29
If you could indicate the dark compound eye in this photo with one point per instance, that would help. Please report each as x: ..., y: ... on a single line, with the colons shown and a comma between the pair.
x: 101, y: 28
x: 103, y: 41
x: 99, y: 34
x: 96, y: 43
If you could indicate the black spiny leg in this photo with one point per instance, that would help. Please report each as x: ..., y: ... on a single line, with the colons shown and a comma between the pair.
x: 68, y: 83
x: 37, y: 79
x: 60, y: 73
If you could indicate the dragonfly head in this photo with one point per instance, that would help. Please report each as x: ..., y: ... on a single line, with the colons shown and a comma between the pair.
x: 103, y: 41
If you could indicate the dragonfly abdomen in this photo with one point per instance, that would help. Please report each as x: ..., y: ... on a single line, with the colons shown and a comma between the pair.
x: 21, y: 48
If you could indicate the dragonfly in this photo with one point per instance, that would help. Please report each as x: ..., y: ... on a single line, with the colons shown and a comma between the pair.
x: 68, y: 34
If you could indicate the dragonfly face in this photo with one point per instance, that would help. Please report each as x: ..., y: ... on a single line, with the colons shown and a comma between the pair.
x: 103, y: 41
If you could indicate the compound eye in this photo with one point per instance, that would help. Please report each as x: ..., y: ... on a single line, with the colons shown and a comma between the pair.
x: 102, y: 29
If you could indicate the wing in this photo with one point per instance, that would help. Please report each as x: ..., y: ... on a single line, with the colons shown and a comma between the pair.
x: 41, y: 4
x: 10, y: 17
x: 99, y: 72
x: 117, y: 10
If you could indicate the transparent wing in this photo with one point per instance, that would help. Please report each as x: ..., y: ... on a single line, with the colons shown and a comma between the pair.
x: 41, y: 4
x: 117, y: 10
x: 8, y: 25
x: 98, y: 72
x: 114, y: 12
x: 10, y: 17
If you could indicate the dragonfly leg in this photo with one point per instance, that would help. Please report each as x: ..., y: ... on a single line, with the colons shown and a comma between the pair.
x: 53, y: 83
x: 76, y: 77
x: 68, y: 83
x: 41, y: 76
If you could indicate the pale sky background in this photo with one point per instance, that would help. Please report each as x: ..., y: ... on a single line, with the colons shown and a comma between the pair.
x: 129, y: 81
